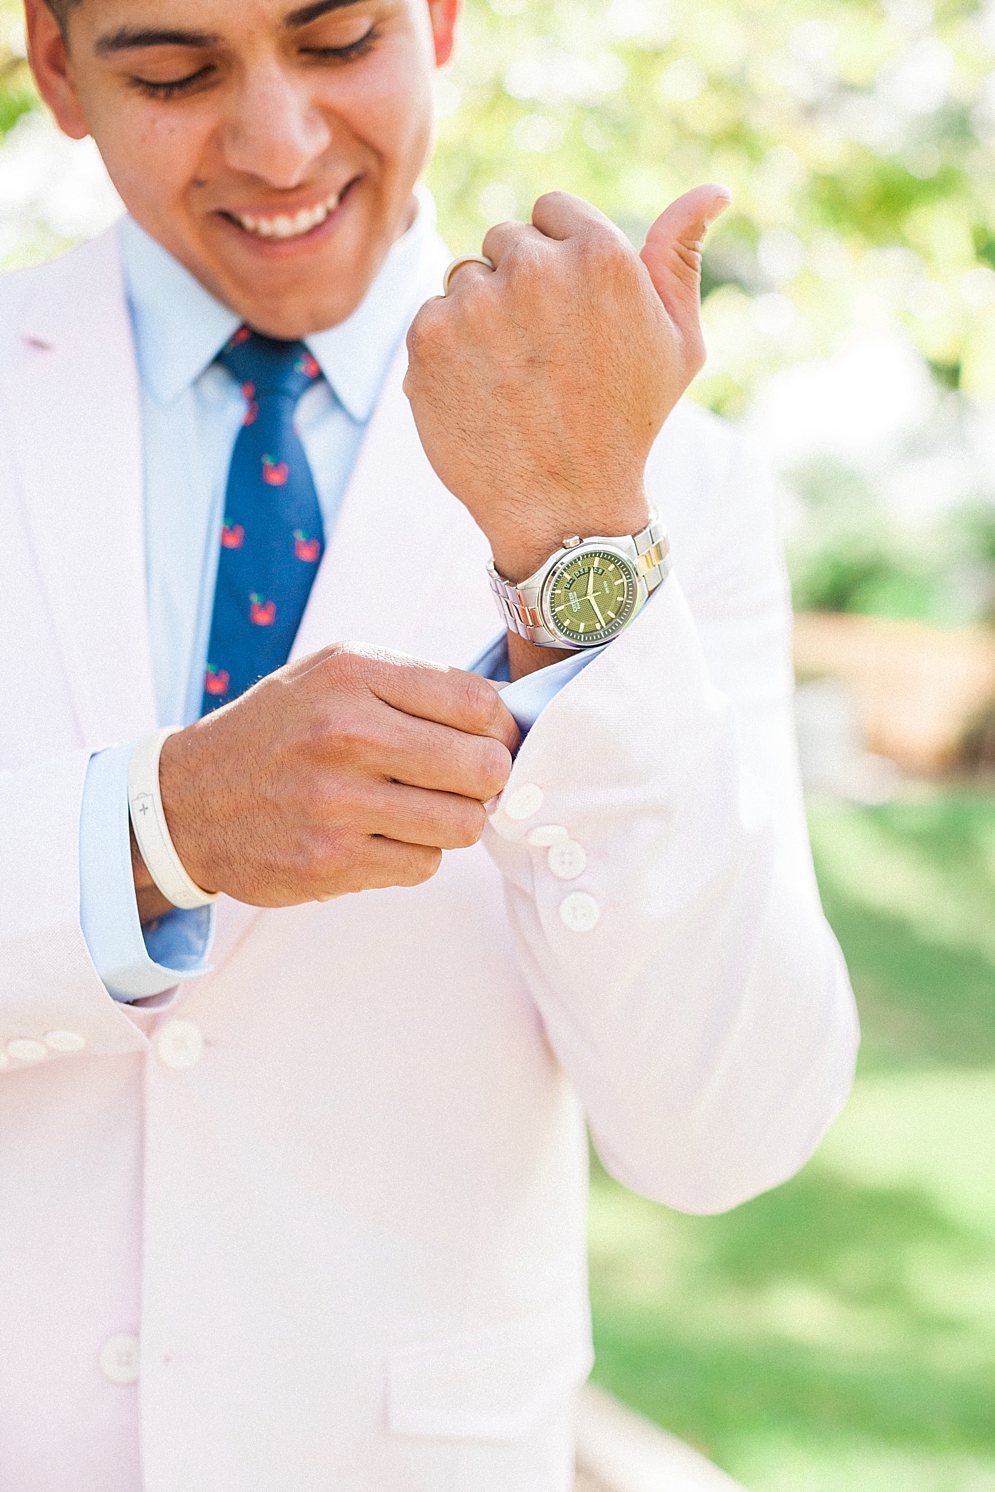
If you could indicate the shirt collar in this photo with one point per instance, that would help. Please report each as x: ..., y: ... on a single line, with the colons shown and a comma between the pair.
x: 180, y: 327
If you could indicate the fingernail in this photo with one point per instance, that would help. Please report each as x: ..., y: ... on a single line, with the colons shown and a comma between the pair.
x: 721, y: 203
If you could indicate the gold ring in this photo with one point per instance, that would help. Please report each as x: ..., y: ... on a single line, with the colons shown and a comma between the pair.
x: 458, y: 264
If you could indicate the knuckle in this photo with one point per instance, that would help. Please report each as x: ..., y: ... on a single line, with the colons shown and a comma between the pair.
x: 551, y: 200
x: 686, y: 263
x: 468, y: 825
x: 419, y: 864
x: 604, y: 253
x: 494, y: 767
x: 321, y: 856
x: 424, y: 331
x: 345, y: 665
x: 340, y: 738
x: 479, y: 698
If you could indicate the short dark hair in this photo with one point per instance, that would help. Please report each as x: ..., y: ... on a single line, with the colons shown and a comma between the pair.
x: 60, y: 9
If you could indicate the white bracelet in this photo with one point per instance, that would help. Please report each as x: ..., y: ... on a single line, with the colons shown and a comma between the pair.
x: 149, y: 823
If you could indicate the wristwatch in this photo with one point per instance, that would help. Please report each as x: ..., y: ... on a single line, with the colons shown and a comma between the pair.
x: 588, y: 591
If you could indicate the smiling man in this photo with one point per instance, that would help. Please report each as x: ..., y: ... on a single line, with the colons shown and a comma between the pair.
x: 293, y: 1179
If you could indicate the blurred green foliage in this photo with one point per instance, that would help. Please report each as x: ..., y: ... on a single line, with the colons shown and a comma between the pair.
x: 17, y: 93
x: 838, y: 1332
x: 847, y: 552
x: 858, y: 139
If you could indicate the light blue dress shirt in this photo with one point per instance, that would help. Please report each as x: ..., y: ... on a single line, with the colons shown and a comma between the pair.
x: 191, y: 413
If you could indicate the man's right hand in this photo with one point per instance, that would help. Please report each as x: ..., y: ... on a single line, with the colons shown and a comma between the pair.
x: 351, y: 769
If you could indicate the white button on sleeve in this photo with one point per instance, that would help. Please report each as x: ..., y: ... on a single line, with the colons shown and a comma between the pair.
x: 24, y: 1050
x: 567, y: 859
x: 65, y: 1041
x: 119, y: 1359
x: 180, y: 1045
x: 522, y: 802
x: 579, y: 911
x: 546, y: 834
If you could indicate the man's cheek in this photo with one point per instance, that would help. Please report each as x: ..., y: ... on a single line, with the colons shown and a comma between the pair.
x: 137, y: 151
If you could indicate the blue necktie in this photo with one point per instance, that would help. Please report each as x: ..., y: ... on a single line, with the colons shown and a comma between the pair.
x: 272, y: 538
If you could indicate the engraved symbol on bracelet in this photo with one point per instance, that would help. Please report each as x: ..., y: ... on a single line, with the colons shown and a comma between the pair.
x: 142, y: 803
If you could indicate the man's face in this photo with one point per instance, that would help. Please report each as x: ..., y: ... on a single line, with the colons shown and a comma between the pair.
x: 270, y: 147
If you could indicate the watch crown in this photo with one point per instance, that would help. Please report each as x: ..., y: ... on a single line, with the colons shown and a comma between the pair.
x: 572, y: 541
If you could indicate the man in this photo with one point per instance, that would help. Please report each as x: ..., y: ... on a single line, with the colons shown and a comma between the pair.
x: 296, y: 1202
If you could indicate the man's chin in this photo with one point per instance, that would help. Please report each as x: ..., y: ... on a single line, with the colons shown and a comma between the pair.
x: 289, y: 318
x: 291, y: 289
x: 293, y: 300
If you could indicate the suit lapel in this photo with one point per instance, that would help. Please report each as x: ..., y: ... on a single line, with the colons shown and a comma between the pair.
x: 405, y: 565
x: 73, y: 386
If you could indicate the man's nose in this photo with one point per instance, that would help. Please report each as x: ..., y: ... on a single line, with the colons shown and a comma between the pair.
x: 273, y: 129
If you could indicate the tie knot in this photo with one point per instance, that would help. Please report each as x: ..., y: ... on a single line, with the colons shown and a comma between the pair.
x: 270, y: 366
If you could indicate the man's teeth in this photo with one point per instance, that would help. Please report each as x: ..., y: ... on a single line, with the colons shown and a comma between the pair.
x: 286, y: 225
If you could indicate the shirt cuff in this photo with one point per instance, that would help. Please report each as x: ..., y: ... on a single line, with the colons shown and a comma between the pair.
x: 133, y: 962
x: 528, y: 696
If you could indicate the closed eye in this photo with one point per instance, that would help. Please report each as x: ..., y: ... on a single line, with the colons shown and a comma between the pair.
x: 174, y: 86
x: 343, y: 54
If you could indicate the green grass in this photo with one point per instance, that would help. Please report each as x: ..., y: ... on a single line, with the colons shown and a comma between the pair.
x: 838, y: 1334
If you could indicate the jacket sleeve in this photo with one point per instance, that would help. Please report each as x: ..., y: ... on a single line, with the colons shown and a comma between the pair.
x: 53, y: 1003
x: 660, y: 886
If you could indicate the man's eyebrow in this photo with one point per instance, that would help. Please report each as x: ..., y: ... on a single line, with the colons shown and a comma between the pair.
x: 128, y: 38
x: 309, y: 13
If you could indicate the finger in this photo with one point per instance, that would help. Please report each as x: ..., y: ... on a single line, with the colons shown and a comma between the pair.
x: 424, y: 754
x: 448, y: 696
x: 562, y: 215
x: 467, y: 261
x: 442, y: 821
x: 390, y: 862
x: 428, y: 691
x: 672, y: 251
x: 505, y: 238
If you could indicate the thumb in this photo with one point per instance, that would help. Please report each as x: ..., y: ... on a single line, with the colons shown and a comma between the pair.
x: 672, y: 251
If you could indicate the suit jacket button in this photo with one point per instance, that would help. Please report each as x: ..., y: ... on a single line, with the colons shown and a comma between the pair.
x: 567, y: 859
x: 119, y: 1359
x: 579, y: 911
x: 180, y: 1045
x: 522, y: 802
x: 65, y: 1041
x: 23, y: 1049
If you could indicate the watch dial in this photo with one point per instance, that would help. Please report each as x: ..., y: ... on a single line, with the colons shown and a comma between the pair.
x: 592, y: 596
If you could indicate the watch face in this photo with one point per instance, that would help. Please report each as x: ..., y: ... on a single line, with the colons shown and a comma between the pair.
x: 591, y: 596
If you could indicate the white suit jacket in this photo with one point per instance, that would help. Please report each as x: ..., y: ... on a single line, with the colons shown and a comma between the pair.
x: 336, y: 1187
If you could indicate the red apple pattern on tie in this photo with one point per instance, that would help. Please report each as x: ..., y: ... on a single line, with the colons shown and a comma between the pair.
x: 272, y: 538
x: 275, y: 473
x: 262, y: 613
x: 252, y: 408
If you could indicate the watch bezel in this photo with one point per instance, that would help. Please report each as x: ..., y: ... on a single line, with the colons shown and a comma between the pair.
x: 589, y: 546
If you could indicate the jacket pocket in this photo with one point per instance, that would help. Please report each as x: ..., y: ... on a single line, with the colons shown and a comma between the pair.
x: 494, y: 1384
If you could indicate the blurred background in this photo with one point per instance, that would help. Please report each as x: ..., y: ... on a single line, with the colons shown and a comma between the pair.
x: 837, y: 1335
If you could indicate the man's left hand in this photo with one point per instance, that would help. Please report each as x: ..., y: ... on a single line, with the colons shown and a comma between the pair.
x: 538, y: 388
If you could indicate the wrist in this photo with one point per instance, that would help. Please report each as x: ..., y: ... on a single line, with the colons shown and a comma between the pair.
x: 519, y: 551
x: 527, y: 657
x: 151, y: 902
x: 178, y: 772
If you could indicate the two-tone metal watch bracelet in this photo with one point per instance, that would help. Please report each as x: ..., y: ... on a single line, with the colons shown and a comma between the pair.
x: 525, y: 609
